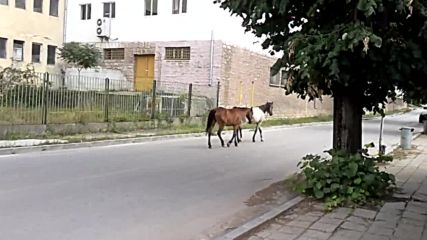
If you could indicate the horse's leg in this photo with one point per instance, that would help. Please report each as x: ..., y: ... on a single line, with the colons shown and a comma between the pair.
x: 209, y: 140
x: 260, y: 133
x: 220, y: 128
x: 256, y: 130
x: 232, y: 138
x: 239, y: 137
x: 236, y: 129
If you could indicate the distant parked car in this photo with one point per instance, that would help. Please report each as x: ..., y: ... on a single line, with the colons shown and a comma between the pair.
x: 423, y: 117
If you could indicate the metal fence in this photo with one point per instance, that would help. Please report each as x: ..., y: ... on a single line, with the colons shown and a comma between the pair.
x: 78, y: 99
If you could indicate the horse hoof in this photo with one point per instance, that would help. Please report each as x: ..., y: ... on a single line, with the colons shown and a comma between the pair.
x: 262, y: 140
x: 228, y: 145
x: 253, y: 140
x: 210, y: 147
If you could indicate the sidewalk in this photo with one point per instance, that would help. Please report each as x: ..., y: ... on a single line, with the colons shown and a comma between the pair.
x: 404, y: 217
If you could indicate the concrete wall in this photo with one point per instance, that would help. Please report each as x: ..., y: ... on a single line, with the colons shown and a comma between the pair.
x: 29, y: 26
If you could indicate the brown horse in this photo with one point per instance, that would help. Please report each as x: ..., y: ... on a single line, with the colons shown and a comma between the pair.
x: 227, y: 117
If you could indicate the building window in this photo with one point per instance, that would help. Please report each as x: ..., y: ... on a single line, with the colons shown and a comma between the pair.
x: 150, y: 7
x: 3, y: 42
x: 38, y: 6
x: 53, y: 8
x: 20, y: 4
x: 85, y: 11
x: 114, y: 53
x: 4, y: 2
x: 280, y: 79
x: 177, y: 53
x: 18, y: 50
x: 35, y: 52
x: 179, y: 6
x: 110, y: 9
x: 51, y: 54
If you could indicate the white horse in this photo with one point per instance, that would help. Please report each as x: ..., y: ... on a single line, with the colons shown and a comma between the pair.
x: 258, y: 116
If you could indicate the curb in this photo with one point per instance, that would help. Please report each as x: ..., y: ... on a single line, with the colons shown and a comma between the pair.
x: 40, y: 148
x: 254, y: 223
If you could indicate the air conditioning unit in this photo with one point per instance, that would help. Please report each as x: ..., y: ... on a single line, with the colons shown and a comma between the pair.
x: 103, y: 27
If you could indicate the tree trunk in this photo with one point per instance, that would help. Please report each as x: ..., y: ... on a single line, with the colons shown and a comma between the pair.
x: 347, y: 135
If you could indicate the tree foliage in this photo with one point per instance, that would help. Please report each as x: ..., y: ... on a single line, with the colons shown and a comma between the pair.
x: 370, y: 47
x: 82, y: 56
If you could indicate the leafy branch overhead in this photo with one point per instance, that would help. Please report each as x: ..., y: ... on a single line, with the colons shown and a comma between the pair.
x: 370, y: 46
x: 80, y: 55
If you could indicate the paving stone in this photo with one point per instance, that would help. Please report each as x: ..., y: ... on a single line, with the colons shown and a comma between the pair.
x: 324, y: 227
x: 354, y: 226
x: 275, y: 226
x: 394, y: 206
x: 255, y: 238
x: 387, y: 216
x: 414, y: 215
x: 303, y: 221
x: 420, y: 197
x: 342, y: 234
x: 314, y: 235
x: 390, y: 223
x: 408, y: 232
x: 364, y: 213
x: 276, y: 235
x: 369, y: 236
x: 263, y: 234
x: 404, y: 196
x: 307, y: 218
x: 411, y: 222
x: 292, y: 230
x: 417, y: 207
x: 319, y: 206
x: 317, y: 214
x: 339, y: 213
x: 301, y: 224
x: 332, y: 221
x: 380, y: 230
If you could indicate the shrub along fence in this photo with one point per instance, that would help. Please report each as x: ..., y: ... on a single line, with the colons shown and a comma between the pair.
x: 79, y: 99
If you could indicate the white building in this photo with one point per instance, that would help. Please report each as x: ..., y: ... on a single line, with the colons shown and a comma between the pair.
x: 156, y: 20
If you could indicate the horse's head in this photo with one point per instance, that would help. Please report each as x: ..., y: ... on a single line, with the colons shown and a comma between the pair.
x: 269, y: 108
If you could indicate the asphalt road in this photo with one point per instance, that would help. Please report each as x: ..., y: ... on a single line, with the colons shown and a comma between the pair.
x: 174, y: 189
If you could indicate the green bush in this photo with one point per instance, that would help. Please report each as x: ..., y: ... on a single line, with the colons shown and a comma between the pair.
x: 344, y: 179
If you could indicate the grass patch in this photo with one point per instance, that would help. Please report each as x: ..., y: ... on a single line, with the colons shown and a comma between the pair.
x: 290, y: 121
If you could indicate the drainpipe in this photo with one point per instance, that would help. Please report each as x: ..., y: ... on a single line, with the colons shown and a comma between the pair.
x: 65, y: 21
x: 211, y: 59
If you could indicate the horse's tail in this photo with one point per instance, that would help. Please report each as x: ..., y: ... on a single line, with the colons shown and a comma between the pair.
x: 211, y: 120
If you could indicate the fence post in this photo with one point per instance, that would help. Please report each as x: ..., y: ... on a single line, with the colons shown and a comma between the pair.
x: 45, y: 93
x: 153, y: 100
x: 217, y: 94
x: 190, y: 95
x: 107, y: 99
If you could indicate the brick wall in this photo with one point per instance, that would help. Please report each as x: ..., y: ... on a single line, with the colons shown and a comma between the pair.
x: 241, y: 67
